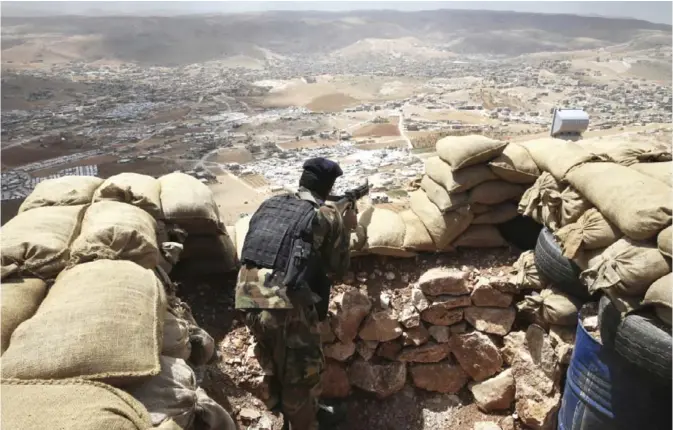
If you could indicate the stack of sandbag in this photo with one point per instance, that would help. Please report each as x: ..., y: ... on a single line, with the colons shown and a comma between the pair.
x: 189, y: 204
x: 472, y: 185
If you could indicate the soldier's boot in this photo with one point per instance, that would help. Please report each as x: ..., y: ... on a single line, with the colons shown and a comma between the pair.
x: 329, y: 416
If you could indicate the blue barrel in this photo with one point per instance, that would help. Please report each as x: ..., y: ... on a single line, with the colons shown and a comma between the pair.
x: 603, y: 392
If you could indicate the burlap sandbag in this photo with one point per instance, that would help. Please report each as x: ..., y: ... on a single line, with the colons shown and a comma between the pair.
x: 495, y: 192
x: 480, y: 236
x: 530, y: 203
x: 628, y: 267
x: 498, y: 214
x: 591, y: 231
x: 358, y: 238
x: 525, y: 275
x: 557, y: 156
x: 242, y: 226
x: 459, y: 181
x: 515, y: 165
x: 660, y: 171
x: 628, y: 150
x: 440, y: 197
x: 443, y: 228
x: 218, y: 250
x: 176, y: 337
x: 478, y: 208
x: 465, y: 151
x: 37, y: 241
x: 385, y: 234
x: 573, y: 205
x: 63, y: 191
x: 101, y: 320
x: 117, y: 231
x: 231, y: 232
x: 416, y: 236
x: 552, y: 306
x: 172, y: 395
x: 664, y: 240
x: 188, y: 202
x: 138, y: 190
x: 19, y: 299
x: 660, y: 295
x: 638, y: 205
x: 586, y: 258
x: 69, y: 404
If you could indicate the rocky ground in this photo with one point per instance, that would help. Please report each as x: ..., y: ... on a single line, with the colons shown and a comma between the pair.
x: 235, y: 379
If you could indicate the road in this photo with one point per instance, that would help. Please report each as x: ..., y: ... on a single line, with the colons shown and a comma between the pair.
x: 403, y: 132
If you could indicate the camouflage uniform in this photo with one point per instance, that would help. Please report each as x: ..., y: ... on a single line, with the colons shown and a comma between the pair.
x: 289, y: 347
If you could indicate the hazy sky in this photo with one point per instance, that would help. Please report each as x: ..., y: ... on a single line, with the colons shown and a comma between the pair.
x: 655, y: 11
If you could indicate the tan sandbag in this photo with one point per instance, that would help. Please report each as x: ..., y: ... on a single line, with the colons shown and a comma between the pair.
x: 231, y: 232
x: 139, y: 190
x: 37, y: 241
x: 457, y: 181
x: 530, y: 203
x: 591, y: 231
x: 557, y: 156
x: 443, y: 228
x: 638, y: 205
x: 176, y: 337
x: 440, y: 197
x: 211, y: 414
x: 660, y: 293
x: 117, y: 231
x: 498, y: 214
x: 203, y: 345
x: 525, y: 274
x: 586, y: 258
x: 101, y: 320
x: 495, y: 192
x: 515, y: 165
x: 480, y: 236
x: 628, y: 267
x: 19, y: 299
x: 385, y: 233
x: 553, y: 306
x: 478, y: 208
x: 416, y: 236
x: 188, y: 202
x: 664, y: 240
x: 62, y: 191
x: 242, y: 226
x: 573, y: 205
x: 465, y: 151
x: 69, y: 404
x: 659, y: 171
x: 217, y: 249
x: 628, y: 150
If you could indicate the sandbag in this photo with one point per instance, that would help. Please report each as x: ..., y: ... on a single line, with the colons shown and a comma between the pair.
x: 591, y: 231
x: 465, y: 151
x: 117, y: 231
x: 101, y: 320
x: 664, y: 240
x: 416, y: 236
x: 358, y: 238
x: 62, y: 191
x: 573, y: 205
x: 459, y: 181
x: 552, y: 306
x: 494, y: 192
x: 478, y: 208
x: 385, y: 233
x: 37, y: 241
x: 480, y: 236
x: 203, y: 345
x: 231, y: 232
x: 189, y: 203
x: 440, y: 197
x: 638, y: 205
x: 142, y: 191
x: 69, y: 404
x: 530, y: 203
x: 443, y: 228
x: 628, y: 267
x: 660, y: 171
x: 172, y: 395
x: 242, y: 226
x: 498, y: 214
x: 586, y: 258
x: 628, y: 150
x: 660, y: 295
x: 218, y: 250
x: 525, y: 275
x: 515, y: 165
x: 19, y: 299
x: 176, y: 337
x: 557, y: 156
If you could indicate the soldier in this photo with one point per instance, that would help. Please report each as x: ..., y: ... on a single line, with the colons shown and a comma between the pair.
x: 293, y: 242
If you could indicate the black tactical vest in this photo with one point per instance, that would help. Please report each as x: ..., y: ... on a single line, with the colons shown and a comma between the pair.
x: 280, y: 238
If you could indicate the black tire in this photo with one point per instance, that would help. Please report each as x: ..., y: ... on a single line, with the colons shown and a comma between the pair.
x: 608, y: 321
x: 644, y: 341
x: 556, y: 269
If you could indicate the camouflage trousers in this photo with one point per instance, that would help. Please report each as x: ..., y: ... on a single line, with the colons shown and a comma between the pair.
x: 289, y: 347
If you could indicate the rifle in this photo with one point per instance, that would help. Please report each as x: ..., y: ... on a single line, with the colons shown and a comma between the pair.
x: 349, y: 198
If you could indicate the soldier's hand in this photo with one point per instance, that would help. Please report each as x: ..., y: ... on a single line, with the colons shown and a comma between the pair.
x: 350, y: 217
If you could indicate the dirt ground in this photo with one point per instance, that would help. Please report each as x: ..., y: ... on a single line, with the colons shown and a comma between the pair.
x: 377, y: 130
x: 230, y: 189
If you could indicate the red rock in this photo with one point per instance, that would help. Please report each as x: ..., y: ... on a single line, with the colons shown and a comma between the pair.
x: 496, y: 393
x: 416, y: 336
x: 381, y: 379
x: 491, y: 320
x: 429, y: 353
x: 443, y: 280
x: 339, y: 351
x: 487, y: 296
x: 334, y: 381
x: 381, y: 326
x: 441, y: 377
x: 351, y: 308
x: 477, y: 354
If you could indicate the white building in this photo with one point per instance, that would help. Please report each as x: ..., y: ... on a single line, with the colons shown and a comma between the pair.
x: 569, y: 122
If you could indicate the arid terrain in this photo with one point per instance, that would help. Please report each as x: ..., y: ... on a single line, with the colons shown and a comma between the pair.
x: 239, y: 101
